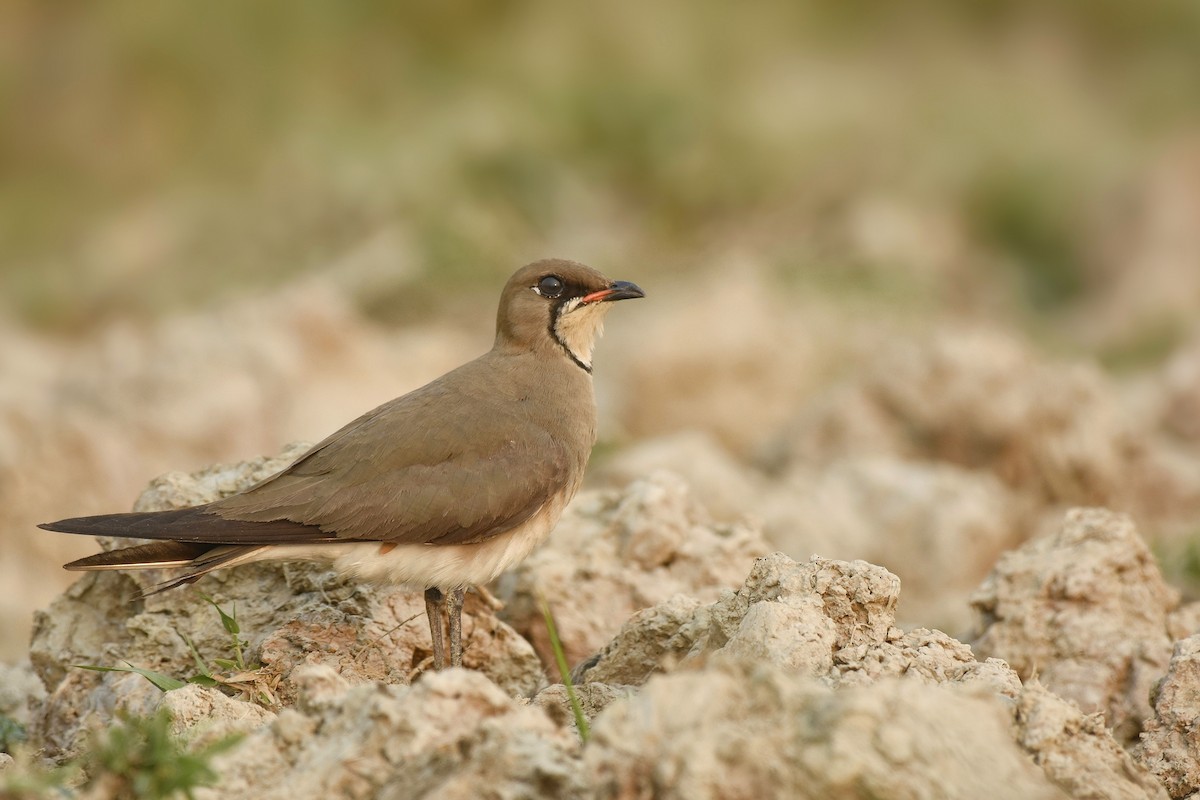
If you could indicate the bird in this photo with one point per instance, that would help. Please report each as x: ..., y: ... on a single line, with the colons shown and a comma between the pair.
x: 440, y: 489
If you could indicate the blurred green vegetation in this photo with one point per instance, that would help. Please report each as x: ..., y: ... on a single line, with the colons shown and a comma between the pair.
x: 1179, y: 560
x: 136, y: 757
x: 12, y: 733
x: 158, y: 155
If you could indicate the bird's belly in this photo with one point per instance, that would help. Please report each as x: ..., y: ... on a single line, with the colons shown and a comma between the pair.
x: 444, y: 566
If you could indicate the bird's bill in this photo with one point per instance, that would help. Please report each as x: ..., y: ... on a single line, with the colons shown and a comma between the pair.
x: 620, y: 290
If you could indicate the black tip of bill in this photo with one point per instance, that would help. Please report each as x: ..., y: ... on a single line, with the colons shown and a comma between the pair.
x: 619, y: 290
x: 624, y: 290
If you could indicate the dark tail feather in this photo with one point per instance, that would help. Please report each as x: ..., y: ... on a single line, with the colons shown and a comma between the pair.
x: 199, y: 560
x: 206, y: 562
x: 143, y: 556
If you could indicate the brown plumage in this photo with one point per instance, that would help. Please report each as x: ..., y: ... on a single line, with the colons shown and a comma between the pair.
x: 441, y: 488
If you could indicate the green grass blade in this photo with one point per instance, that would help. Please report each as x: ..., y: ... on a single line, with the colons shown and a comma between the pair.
x: 204, y: 680
x: 228, y: 620
x: 201, y: 666
x: 560, y: 657
x: 230, y: 623
x: 164, y: 682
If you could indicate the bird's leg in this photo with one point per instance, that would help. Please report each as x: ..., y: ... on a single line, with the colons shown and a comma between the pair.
x: 456, y: 604
x: 435, y: 603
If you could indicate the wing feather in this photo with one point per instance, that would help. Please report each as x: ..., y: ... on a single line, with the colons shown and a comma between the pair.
x: 196, y: 524
x: 409, y: 471
x: 457, y: 461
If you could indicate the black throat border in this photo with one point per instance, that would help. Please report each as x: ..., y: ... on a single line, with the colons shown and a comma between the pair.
x: 556, y: 312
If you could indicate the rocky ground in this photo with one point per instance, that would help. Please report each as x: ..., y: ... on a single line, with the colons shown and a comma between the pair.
x: 707, y: 666
x: 899, y: 473
x: 728, y: 588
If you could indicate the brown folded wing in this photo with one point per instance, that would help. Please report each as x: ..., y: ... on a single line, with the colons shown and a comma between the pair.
x: 409, y: 473
x: 457, y: 461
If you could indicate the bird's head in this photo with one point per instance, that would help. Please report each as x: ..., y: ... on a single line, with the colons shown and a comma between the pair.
x: 558, y: 304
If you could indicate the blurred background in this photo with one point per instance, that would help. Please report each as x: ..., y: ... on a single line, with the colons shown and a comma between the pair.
x: 919, y: 276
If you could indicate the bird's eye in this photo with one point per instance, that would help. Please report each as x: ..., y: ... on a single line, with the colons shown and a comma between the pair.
x: 550, y: 286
